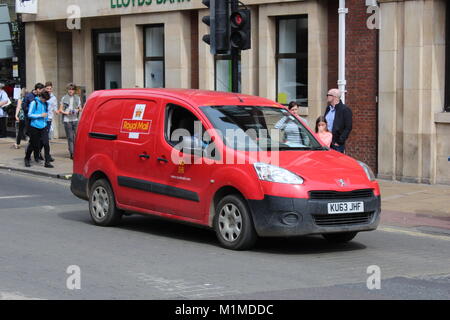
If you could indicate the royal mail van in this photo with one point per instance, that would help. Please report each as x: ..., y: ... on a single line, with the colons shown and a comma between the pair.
x: 241, y: 165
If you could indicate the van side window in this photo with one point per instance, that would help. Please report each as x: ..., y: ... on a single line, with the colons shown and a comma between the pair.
x: 181, y: 122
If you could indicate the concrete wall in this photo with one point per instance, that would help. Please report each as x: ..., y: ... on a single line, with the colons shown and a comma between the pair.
x: 177, y: 42
x: 412, y: 84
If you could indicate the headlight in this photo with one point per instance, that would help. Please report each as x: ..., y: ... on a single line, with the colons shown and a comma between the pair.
x: 367, y: 170
x: 267, y: 172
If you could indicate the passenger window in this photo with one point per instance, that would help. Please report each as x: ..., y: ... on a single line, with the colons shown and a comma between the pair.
x: 182, y: 124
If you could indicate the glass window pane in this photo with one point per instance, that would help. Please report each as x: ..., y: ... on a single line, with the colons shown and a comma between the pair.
x: 113, y: 75
x: 223, y: 76
x: 5, y: 32
x: 154, y: 74
x: 6, y: 50
x: 288, y: 36
x: 293, y: 35
x: 293, y: 81
x: 154, y: 42
x: 293, y: 69
x: 109, y: 42
x: 4, y: 14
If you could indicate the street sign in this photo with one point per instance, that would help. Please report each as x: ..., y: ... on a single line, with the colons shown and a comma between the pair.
x: 27, y: 6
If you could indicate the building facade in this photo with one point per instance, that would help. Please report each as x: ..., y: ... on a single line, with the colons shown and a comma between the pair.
x: 414, y: 129
x: 109, y: 44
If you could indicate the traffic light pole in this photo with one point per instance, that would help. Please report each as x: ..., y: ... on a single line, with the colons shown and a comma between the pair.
x: 234, y: 57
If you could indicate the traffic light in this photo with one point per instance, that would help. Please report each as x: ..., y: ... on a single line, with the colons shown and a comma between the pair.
x: 241, y: 29
x: 218, y: 39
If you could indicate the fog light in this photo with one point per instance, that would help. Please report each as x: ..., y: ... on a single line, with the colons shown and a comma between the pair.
x: 290, y: 218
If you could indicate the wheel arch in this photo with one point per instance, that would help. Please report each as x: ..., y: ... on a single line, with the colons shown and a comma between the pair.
x: 218, y: 195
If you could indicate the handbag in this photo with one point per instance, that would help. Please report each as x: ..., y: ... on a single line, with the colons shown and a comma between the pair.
x: 5, y: 107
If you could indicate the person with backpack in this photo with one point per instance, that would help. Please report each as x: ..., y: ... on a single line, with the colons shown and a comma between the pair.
x: 38, y: 115
x: 29, y: 98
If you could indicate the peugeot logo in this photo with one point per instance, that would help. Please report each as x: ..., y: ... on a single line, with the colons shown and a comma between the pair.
x: 341, y: 182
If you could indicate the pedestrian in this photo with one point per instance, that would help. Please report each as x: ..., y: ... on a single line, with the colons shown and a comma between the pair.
x: 295, y: 109
x: 38, y: 113
x: 52, y: 106
x: 70, y: 107
x: 52, y: 110
x: 290, y: 127
x: 4, y: 103
x: 322, y: 131
x: 20, y: 121
x: 29, y: 98
x: 339, y: 119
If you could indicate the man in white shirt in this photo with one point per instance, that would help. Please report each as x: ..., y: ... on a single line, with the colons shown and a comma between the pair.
x: 4, y: 100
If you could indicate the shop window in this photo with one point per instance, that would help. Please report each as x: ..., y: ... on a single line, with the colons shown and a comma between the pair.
x: 108, y: 42
x: 154, y: 57
x: 107, y: 59
x: 292, y: 60
x: 223, y: 72
x: 447, y: 61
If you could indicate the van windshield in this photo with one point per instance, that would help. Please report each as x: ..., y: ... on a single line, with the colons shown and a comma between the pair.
x: 257, y: 128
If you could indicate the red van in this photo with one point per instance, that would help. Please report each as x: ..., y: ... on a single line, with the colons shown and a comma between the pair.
x: 242, y: 165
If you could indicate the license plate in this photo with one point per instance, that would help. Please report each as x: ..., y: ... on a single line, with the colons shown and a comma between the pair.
x: 345, y: 207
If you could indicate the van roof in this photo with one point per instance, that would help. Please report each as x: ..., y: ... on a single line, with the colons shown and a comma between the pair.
x: 193, y: 96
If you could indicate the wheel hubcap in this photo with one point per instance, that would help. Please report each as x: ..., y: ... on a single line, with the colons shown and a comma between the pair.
x: 100, y: 203
x: 230, y: 222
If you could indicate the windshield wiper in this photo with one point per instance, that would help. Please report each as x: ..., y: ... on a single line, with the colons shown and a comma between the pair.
x: 303, y: 148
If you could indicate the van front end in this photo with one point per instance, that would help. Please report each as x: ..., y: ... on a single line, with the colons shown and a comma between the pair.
x: 280, y: 216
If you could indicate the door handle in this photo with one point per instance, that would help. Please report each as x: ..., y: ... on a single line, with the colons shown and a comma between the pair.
x: 144, y: 156
x: 163, y: 160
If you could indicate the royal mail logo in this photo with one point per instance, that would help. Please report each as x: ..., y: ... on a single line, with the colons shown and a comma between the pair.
x: 136, y: 126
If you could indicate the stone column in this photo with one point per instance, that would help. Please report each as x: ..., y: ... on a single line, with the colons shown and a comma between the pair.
x: 249, y: 60
x: 390, y: 91
x: 41, y: 53
x: 412, y: 85
x: 132, y: 37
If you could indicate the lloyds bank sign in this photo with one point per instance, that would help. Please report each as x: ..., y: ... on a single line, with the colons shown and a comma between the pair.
x: 140, y: 3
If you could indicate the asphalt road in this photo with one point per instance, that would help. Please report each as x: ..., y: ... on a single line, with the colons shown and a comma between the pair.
x: 44, y: 230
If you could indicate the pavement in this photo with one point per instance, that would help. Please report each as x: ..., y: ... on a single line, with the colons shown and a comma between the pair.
x: 13, y: 159
x: 424, y: 208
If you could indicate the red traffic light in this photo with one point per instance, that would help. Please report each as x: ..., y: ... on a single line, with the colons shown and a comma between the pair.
x: 238, y: 19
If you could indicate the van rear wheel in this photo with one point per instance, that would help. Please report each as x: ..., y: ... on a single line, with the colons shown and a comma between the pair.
x: 102, y: 204
x: 233, y: 224
x: 340, y: 237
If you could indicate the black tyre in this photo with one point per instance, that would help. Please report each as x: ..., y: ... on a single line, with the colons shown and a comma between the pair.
x: 102, y: 204
x: 233, y: 224
x: 340, y: 237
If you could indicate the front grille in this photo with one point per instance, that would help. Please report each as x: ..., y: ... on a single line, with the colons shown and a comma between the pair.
x: 331, y: 220
x: 336, y: 195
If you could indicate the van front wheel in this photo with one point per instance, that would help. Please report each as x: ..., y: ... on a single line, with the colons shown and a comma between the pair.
x: 233, y: 224
x: 102, y: 204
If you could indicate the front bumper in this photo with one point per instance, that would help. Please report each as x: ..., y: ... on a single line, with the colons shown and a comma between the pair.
x: 278, y: 216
